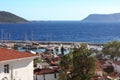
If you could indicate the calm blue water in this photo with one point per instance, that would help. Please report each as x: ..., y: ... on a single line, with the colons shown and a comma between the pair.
x: 61, y: 31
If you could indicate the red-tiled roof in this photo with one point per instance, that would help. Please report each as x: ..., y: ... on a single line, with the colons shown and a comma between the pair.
x: 102, y: 62
x: 113, y: 74
x: 8, y: 54
x: 98, y: 66
x: 47, y: 70
x: 43, y: 71
x: 117, y: 62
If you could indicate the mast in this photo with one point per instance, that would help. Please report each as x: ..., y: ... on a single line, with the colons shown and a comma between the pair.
x: 31, y: 35
x: 25, y: 37
x: 9, y: 35
x: 1, y: 34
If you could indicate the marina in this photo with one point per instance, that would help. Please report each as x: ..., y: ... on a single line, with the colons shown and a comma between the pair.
x: 46, y: 46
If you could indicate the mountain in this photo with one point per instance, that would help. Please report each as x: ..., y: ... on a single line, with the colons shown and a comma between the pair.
x: 7, y: 17
x: 102, y: 18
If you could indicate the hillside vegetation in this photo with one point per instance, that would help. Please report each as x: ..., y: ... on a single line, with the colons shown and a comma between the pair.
x: 7, y: 17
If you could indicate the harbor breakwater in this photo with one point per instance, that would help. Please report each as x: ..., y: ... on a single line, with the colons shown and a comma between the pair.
x: 10, y: 44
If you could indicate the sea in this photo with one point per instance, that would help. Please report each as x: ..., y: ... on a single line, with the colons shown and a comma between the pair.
x: 63, y: 31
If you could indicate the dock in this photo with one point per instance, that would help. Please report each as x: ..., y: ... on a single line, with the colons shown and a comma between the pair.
x: 51, y: 44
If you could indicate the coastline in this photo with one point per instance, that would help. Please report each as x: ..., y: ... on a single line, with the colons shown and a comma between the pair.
x: 50, y: 44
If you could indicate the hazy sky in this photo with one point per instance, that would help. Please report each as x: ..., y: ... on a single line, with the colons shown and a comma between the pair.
x: 59, y: 9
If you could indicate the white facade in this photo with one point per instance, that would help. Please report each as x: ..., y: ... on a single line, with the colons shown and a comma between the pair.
x: 99, y: 48
x: 53, y: 76
x: 19, y: 69
x: 116, y: 67
x: 100, y: 73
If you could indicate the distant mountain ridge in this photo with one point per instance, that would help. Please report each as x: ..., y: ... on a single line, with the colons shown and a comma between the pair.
x: 102, y: 18
x: 7, y: 17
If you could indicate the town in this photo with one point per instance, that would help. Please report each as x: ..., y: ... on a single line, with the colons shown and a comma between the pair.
x: 33, y: 60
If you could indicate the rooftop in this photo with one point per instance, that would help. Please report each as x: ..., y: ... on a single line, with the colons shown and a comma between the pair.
x: 8, y: 54
x: 44, y: 71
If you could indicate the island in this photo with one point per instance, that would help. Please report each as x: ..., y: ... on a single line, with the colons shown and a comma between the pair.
x: 102, y: 18
x: 7, y: 17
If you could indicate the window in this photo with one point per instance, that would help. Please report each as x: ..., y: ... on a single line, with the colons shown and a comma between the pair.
x: 6, y: 68
x: 55, y: 76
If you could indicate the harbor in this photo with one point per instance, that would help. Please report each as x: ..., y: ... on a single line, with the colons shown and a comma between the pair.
x: 42, y: 46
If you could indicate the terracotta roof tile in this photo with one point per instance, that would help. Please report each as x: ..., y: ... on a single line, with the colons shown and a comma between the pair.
x: 102, y: 62
x: 43, y: 71
x: 98, y: 66
x: 8, y: 54
x: 113, y: 74
x: 117, y: 62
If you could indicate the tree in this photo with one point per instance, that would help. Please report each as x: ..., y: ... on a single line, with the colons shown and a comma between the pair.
x: 83, y: 63
x: 112, y: 49
x: 66, y: 66
x: 78, y: 66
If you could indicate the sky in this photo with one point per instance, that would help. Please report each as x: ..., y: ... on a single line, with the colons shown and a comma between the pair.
x: 59, y: 9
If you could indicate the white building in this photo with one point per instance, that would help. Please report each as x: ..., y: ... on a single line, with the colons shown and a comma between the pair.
x: 116, y: 65
x: 46, y: 74
x: 16, y: 65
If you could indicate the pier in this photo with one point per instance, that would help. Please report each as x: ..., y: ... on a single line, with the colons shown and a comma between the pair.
x: 37, y: 44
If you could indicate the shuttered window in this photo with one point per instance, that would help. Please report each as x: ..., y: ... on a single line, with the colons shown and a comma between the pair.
x: 6, y: 68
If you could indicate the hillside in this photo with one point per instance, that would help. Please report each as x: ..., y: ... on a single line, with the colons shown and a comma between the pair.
x: 7, y: 17
x: 102, y: 18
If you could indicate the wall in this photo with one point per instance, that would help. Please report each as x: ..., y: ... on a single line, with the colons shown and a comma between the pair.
x: 116, y: 68
x: 21, y: 69
x: 47, y: 77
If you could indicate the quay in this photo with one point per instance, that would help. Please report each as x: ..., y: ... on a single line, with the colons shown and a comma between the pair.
x: 47, y: 42
x: 37, y: 44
